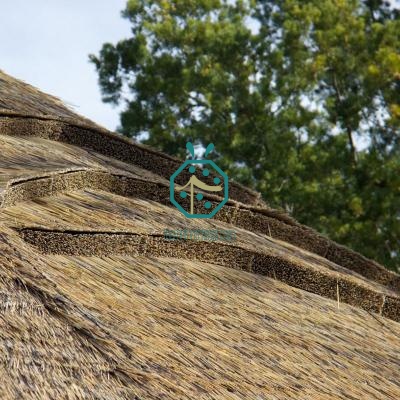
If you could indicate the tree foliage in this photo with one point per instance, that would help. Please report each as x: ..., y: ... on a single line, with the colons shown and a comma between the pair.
x: 300, y: 97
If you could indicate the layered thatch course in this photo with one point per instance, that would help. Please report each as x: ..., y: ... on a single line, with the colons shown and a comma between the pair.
x: 96, y: 303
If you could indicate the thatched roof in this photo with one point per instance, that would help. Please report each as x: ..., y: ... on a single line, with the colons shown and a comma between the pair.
x: 96, y: 304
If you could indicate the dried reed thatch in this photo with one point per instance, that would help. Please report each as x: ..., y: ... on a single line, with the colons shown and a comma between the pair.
x: 96, y: 303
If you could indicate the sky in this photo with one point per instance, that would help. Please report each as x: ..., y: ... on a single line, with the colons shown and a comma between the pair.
x: 46, y: 43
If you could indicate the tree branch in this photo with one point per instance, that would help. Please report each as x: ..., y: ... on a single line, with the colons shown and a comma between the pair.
x: 348, y: 129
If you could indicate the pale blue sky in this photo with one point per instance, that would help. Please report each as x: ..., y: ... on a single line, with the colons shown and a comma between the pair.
x: 46, y: 43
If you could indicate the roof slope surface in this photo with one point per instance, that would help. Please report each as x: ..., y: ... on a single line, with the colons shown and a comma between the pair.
x: 96, y: 304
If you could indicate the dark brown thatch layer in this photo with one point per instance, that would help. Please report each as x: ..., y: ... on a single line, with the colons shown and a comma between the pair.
x: 326, y: 283
x: 101, y: 211
x: 233, y: 213
x: 256, y: 219
x: 110, y: 145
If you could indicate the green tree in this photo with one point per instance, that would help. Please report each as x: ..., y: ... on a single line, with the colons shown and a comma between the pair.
x: 300, y: 98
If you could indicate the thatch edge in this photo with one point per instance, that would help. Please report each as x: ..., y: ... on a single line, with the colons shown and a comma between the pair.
x: 234, y: 213
x: 107, y: 143
x: 329, y: 284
